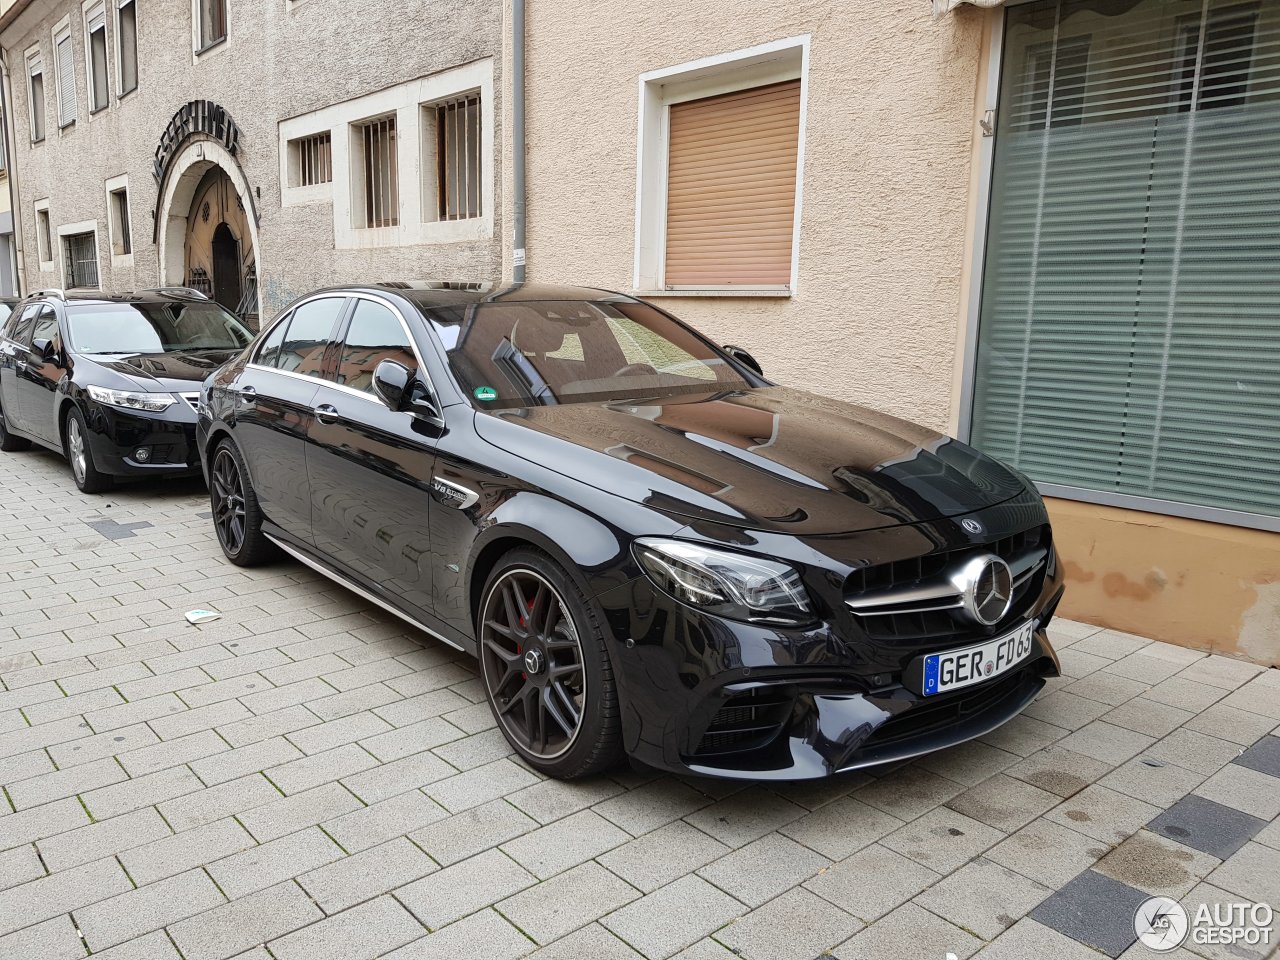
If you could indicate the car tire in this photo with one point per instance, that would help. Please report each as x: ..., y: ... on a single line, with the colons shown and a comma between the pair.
x: 237, y: 517
x: 529, y: 674
x: 8, y: 442
x: 79, y: 454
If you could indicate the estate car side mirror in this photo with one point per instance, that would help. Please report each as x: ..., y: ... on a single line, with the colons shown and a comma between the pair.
x: 744, y: 358
x: 45, y: 350
x: 398, y: 387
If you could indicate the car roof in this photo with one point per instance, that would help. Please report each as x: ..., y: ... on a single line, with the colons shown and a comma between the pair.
x: 159, y: 295
x: 430, y: 294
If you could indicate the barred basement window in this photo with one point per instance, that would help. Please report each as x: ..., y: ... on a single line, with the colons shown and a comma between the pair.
x: 81, y: 252
x: 378, y: 193
x: 458, y: 158
x: 311, y: 160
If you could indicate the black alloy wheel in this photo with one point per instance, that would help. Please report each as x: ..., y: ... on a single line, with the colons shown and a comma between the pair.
x: 546, y: 670
x: 237, y: 517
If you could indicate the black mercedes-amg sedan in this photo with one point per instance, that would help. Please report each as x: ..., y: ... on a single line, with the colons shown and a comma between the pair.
x: 652, y: 549
x: 111, y: 381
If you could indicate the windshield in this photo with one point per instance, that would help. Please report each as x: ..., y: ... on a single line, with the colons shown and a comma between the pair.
x: 154, y: 328
x: 575, y: 351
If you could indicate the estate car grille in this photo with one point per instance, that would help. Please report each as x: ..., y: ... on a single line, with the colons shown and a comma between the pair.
x: 746, y: 721
x: 913, y: 599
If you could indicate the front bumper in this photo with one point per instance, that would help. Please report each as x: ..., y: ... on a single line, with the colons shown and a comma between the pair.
x: 709, y: 696
x: 115, y: 436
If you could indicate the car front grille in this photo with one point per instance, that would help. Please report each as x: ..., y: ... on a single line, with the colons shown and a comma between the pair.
x: 946, y: 710
x: 746, y: 721
x: 913, y: 599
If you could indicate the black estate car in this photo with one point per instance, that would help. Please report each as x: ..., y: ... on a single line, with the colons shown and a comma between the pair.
x: 652, y: 549
x: 111, y: 381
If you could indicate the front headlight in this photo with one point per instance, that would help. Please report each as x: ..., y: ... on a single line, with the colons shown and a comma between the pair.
x: 730, y: 585
x: 151, y: 402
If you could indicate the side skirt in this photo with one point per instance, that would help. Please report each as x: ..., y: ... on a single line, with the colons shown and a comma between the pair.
x: 356, y: 589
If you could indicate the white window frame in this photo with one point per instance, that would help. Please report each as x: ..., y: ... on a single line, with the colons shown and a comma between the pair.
x: 60, y: 29
x: 32, y: 58
x: 42, y: 206
x: 70, y: 229
x: 88, y: 9
x: 773, y: 62
x: 406, y: 101
x: 118, y: 231
x: 199, y: 48
x: 119, y: 5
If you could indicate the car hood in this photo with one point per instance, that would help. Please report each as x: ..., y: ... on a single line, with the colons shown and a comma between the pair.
x: 771, y: 458
x: 175, y: 372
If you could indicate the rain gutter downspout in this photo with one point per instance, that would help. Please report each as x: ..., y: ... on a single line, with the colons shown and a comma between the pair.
x: 11, y: 168
x: 517, y: 139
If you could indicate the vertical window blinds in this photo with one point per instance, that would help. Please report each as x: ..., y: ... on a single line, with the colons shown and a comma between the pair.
x: 731, y: 187
x: 1129, y: 338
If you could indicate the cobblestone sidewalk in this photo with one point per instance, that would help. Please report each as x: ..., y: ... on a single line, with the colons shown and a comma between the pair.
x: 306, y: 778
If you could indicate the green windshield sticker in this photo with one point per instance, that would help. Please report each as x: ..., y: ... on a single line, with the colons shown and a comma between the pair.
x: 485, y: 393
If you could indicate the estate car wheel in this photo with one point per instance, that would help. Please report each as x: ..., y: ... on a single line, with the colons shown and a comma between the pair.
x: 546, y: 670
x: 8, y: 442
x: 237, y: 518
x: 80, y: 456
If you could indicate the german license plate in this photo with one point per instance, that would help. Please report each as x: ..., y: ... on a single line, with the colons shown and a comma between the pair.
x: 969, y: 665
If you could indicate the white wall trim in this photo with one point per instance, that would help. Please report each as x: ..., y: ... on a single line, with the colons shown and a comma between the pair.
x: 406, y: 102
x: 31, y: 59
x: 117, y: 230
x: 772, y: 62
x: 68, y: 229
x: 42, y: 206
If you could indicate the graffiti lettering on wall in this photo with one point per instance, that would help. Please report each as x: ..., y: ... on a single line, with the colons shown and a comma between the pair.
x: 198, y: 116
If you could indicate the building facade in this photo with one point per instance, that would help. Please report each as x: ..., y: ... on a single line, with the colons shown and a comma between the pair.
x: 1051, y: 228
x: 253, y: 150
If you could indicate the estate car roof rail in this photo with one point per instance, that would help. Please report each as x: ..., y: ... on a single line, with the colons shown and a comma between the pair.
x: 52, y: 292
x: 177, y: 292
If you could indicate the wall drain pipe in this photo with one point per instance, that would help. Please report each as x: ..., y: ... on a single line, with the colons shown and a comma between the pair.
x: 517, y: 139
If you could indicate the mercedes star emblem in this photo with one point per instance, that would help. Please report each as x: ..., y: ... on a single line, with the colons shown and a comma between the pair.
x: 986, y: 589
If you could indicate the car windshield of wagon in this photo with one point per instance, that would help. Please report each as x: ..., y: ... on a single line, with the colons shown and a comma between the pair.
x: 576, y: 351
x: 128, y: 328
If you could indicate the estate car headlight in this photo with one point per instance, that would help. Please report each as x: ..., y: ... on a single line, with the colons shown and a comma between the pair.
x: 730, y: 585
x: 125, y: 400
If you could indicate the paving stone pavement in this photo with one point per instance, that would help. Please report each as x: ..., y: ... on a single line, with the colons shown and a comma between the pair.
x: 308, y: 778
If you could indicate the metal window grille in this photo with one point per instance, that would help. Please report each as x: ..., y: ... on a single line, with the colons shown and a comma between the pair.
x: 458, y: 158
x: 120, y: 209
x: 381, y: 189
x: 198, y: 279
x: 313, y: 159
x: 128, y: 46
x: 82, y: 260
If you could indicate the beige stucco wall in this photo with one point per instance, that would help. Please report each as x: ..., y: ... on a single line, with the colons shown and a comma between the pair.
x: 1203, y: 585
x: 890, y: 131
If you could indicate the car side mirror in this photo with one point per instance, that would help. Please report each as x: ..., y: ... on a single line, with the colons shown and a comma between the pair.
x: 744, y: 358
x: 45, y: 350
x: 398, y: 387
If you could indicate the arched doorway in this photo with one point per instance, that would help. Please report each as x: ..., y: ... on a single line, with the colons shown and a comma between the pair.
x: 219, y: 258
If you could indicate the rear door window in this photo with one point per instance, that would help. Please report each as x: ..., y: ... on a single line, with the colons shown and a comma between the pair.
x: 306, y: 335
x: 46, y: 325
x: 26, y: 325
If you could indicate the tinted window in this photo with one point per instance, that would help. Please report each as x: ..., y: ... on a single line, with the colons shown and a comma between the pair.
x: 22, y: 332
x: 269, y: 352
x: 309, y: 331
x: 46, y: 326
x: 5, y: 310
x: 154, y: 327
x: 572, y: 351
x: 375, y: 334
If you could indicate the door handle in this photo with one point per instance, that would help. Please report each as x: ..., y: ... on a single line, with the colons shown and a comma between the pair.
x: 327, y: 413
x: 246, y: 392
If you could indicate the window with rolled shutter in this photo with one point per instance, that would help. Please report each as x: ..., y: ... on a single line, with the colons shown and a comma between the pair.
x: 35, y: 95
x: 96, y: 41
x: 731, y: 188
x: 1129, y: 338
x: 65, y: 59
